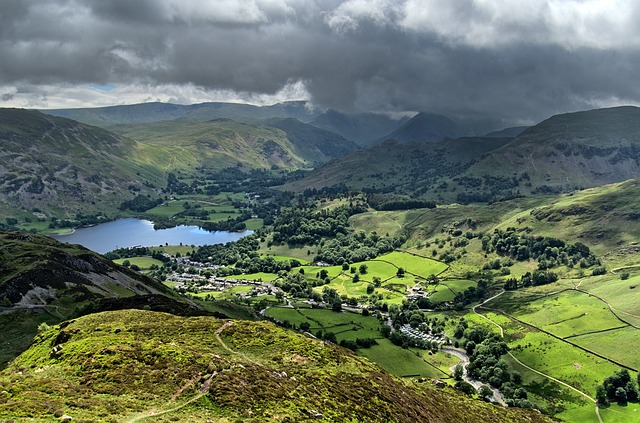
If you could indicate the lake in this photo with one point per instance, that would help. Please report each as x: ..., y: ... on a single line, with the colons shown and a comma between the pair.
x: 133, y: 232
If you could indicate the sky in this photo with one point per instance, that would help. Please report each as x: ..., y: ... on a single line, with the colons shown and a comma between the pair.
x: 512, y: 60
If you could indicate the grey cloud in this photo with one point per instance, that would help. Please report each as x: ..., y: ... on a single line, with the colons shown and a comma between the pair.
x: 378, y: 55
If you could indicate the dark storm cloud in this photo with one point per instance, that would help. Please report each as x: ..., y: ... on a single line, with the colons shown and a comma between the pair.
x: 534, y: 59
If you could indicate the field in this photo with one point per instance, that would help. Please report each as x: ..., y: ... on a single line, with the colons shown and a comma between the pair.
x: 568, y: 313
x: 142, y: 262
x: 416, y: 265
x: 620, y: 344
x: 448, y: 288
x: 346, y: 325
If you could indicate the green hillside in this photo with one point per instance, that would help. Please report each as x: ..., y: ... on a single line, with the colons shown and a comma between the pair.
x: 604, y: 218
x: 571, y: 151
x: 562, y: 154
x: 363, y: 128
x: 63, y: 166
x: 43, y: 280
x: 137, y: 365
x: 221, y: 143
x: 413, y: 168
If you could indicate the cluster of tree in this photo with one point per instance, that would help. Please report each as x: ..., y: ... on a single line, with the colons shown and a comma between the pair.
x: 471, y: 294
x: 409, y: 313
x: 358, y: 343
x: 140, y: 203
x: 485, y: 351
x: 236, y: 224
x: 405, y: 341
x: 296, y: 285
x: 356, y: 247
x: 80, y: 220
x: 550, y: 252
x: 266, y: 264
x: 618, y: 387
x: 538, y: 277
x: 229, y: 253
x: 305, y: 224
x: 397, y: 202
x: 136, y: 252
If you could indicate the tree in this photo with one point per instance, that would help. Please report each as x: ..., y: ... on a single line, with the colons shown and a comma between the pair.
x: 370, y: 289
x: 304, y: 326
x: 400, y: 272
x: 485, y: 392
x: 356, y: 278
x: 458, y: 371
x: 465, y: 387
x: 363, y: 269
x: 621, y: 395
x: 601, y: 395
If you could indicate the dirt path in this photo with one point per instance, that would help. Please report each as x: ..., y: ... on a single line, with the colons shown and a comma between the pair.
x: 226, y: 347
x: 153, y: 412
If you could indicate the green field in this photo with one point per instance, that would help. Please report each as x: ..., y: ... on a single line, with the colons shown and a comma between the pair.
x: 403, y: 362
x: 345, y: 325
x: 142, y: 262
x: 448, y: 288
x: 419, y: 266
x: 620, y: 345
x: 569, y: 313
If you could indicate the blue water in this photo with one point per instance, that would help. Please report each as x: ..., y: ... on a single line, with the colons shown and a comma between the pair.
x: 132, y: 232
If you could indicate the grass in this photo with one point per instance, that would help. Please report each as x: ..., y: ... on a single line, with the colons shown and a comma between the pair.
x: 401, y: 362
x: 345, y: 325
x: 569, y: 313
x: 620, y: 345
x: 448, y: 288
x: 419, y: 266
x: 143, y: 263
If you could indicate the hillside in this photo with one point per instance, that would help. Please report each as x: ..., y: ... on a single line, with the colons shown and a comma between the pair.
x: 427, y: 127
x: 562, y: 154
x: 571, y: 151
x: 411, y: 168
x: 604, y: 218
x: 60, y: 165
x: 311, y: 142
x: 128, y: 365
x: 221, y: 143
x: 43, y: 280
x: 362, y: 128
x: 156, y: 112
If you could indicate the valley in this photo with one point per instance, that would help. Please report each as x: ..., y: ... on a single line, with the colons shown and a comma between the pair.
x: 349, y: 258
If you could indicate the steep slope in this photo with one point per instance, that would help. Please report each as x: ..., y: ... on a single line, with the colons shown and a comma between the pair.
x: 413, y: 168
x: 65, y: 166
x: 510, y: 132
x: 129, y: 365
x: 571, y: 151
x: 313, y: 142
x: 220, y: 143
x: 362, y: 128
x: 427, y: 127
x: 156, y: 112
x: 43, y: 280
